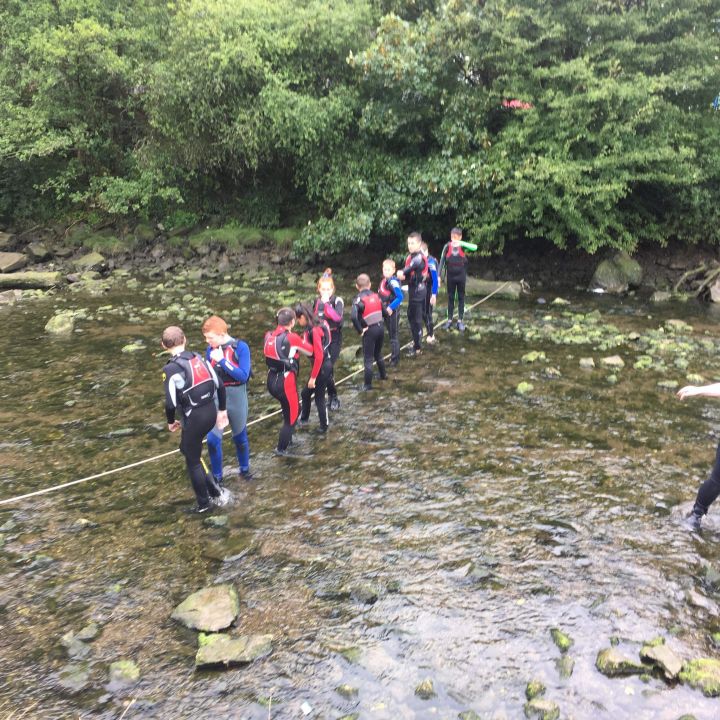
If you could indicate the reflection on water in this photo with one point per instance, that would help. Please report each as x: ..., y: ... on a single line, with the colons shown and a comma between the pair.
x: 480, y: 519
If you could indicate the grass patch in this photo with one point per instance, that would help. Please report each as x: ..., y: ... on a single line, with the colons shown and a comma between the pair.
x: 236, y: 237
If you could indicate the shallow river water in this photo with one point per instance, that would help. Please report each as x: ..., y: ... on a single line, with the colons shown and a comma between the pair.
x: 482, y: 518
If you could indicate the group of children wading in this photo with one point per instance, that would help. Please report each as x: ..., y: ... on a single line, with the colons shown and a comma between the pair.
x: 205, y: 394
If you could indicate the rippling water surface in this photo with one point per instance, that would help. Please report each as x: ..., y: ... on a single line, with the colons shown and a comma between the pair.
x: 482, y: 518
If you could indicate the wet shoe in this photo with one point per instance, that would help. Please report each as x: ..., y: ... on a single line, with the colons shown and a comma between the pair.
x: 247, y: 475
x: 394, y: 362
x: 693, y: 521
x: 430, y: 340
x: 335, y: 403
x: 219, y: 482
x: 447, y: 325
x: 461, y: 326
x: 366, y: 387
x: 322, y: 430
x: 199, y: 509
x: 302, y: 423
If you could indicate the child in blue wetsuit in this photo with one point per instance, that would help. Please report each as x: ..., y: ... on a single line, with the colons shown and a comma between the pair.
x: 431, y: 297
x: 230, y: 359
x: 391, y: 294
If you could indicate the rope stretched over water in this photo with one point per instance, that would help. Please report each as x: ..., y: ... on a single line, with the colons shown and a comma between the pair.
x: 129, y: 466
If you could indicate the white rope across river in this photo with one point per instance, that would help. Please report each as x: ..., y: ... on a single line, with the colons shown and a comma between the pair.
x: 129, y: 466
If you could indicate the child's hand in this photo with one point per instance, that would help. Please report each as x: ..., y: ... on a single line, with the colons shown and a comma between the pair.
x: 311, y: 383
x: 389, y: 311
x: 172, y: 427
x: 687, y: 391
x: 433, y: 300
x: 216, y: 354
x: 222, y: 420
x: 400, y: 275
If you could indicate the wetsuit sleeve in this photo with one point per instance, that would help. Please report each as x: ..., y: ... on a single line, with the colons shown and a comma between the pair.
x: 356, y: 313
x: 173, y: 381
x: 241, y: 371
x: 434, y: 276
x: 332, y: 313
x: 297, y: 342
x: 399, y: 295
x: 317, y: 338
x: 222, y: 395
x: 443, y: 267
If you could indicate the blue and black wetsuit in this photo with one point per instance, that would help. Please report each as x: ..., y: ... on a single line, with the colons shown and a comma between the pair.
x: 233, y: 371
x: 428, y: 314
x: 190, y: 388
x: 391, y: 294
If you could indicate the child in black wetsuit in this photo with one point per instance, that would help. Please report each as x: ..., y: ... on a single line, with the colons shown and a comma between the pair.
x: 367, y: 319
x: 454, y: 261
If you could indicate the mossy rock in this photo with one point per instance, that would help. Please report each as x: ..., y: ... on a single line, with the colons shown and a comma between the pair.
x: 219, y: 649
x: 587, y: 363
x: 209, y: 609
x: 611, y: 662
x: 664, y: 658
x: 468, y: 715
x: 61, y: 324
x: 124, y: 672
x: 563, y: 641
x: 702, y: 674
x: 524, y: 388
x: 347, y: 691
x: 542, y: 709
x: 425, y: 690
x: 90, y: 261
x: 565, y: 666
x: 534, y: 689
x: 533, y: 356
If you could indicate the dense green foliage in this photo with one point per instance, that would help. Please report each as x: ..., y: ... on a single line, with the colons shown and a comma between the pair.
x: 362, y: 119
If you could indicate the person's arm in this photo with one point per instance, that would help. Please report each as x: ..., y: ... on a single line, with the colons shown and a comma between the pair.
x: 399, y: 295
x: 434, y: 277
x: 333, y: 313
x: 299, y: 344
x: 710, y: 391
x: 241, y: 371
x: 317, y: 338
x: 443, y: 264
x: 356, y: 314
x: 173, y: 381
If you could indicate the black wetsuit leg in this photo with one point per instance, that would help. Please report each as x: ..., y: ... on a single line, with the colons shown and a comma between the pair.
x: 321, y: 383
x: 415, y: 319
x: 451, y: 289
x: 378, y: 337
x: 428, y: 315
x: 334, y: 350
x: 461, y: 299
x: 195, y: 427
x: 392, y: 325
x: 710, y: 489
x: 283, y: 387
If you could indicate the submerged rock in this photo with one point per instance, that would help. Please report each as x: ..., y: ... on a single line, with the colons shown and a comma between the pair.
x: 613, y: 663
x: 563, y: 641
x: 613, y: 361
x: 468, y: 715
x: 347, y: 691
x: 61, y: 324
x: 425, y: 690
x: 533, y: 356
x: 587, y: 363
x: 524, y: 388
x: 565, y: 666
x: 365, y: 594
x: 136, y: 346
x: 225, y: 650
x: 74, y: 677
x: 542, y: 709
x: 123, y: 673
x: 534, y: 689
x: 209, y: 609
x: 702, y: 674
x: 663, y: 657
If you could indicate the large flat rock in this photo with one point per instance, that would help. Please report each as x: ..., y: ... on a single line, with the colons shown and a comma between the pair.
x: 29, y: 280
x: 209, y: 609
x: 11, y: 261
x: 226, y: 650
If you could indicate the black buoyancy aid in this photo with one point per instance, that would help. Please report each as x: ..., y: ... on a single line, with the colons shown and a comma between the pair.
x: 373, y: 309
x: 327, y: 337
x: 419, y: 279
x: 277, y: 351
x: 319, y: 310
x: 199, y: 384
x: 455, y: 259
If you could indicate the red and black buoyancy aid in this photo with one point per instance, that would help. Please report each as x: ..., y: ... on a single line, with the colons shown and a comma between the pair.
x: 372, y: 309
x: 319, y: 310
x: 230, y: 355
x: 199, y: 384
x: 455, y: 259
x: 279, y: 354
x: 385, y: 291
x: 422, y: 276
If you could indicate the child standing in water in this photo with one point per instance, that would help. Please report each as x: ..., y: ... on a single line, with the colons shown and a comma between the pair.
x: 190, y: 388
x: 431, y: 296
x: 329, y: 307
x: 391, y: 295
x: 280, y: 349
x: 710, y: 489
x: 230, y: 358
x: 454, y: 261
x: 416, y: 275
x: 367, y: 318
x: 317, y: 334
